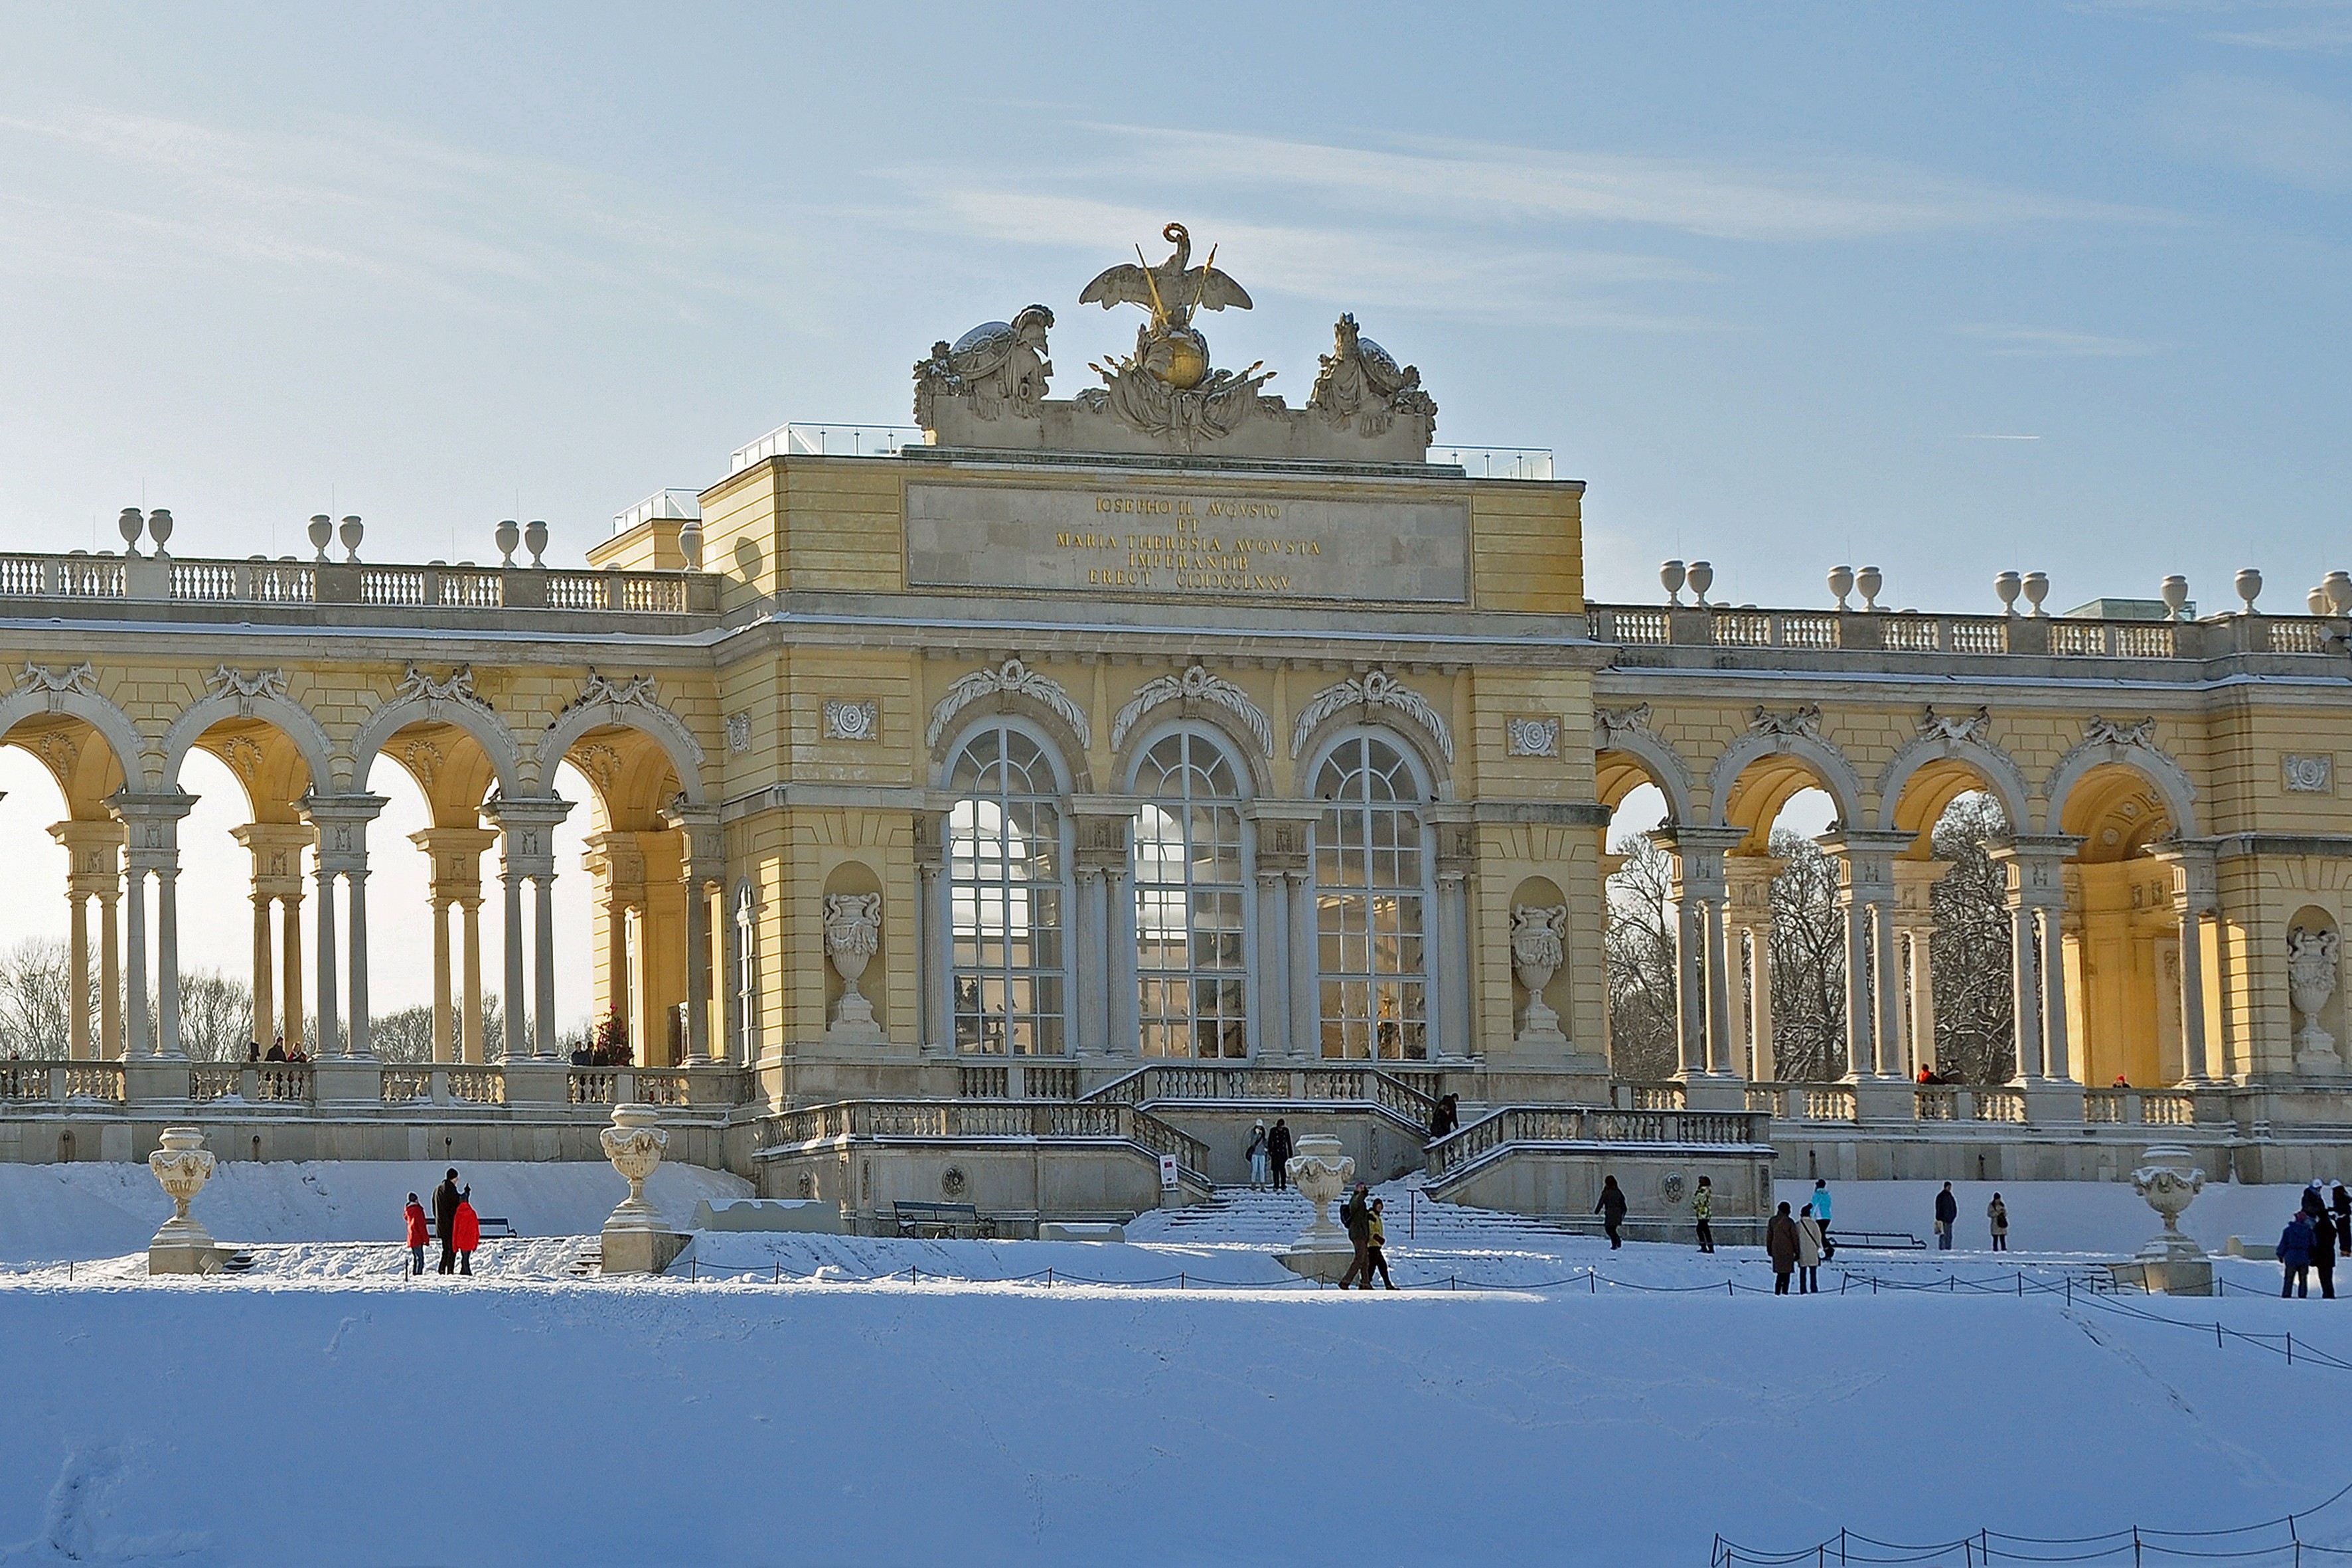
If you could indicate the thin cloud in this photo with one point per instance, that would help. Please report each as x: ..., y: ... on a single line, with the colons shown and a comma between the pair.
x: 2281, y: 134
x: 2044, y: 342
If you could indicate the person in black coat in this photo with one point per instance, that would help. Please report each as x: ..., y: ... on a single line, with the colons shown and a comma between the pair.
x: 2343, y: 1196
x: 1611, y: 1210
x: 1277, y: 1152
x: 445, y: 1221
x: 2323, y: 1253
x: 1947, y: 1211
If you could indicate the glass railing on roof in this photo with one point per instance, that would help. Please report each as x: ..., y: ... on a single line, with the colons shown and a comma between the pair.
x: 1496, y: 462
x: 825, y: 441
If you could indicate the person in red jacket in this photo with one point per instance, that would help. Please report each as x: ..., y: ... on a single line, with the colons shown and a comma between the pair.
x: 416, y: 1235
x: 466, y: 1230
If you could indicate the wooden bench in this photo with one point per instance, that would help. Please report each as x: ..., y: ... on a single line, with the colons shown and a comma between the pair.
x: 494, y: 1227
x: 929, y: 1220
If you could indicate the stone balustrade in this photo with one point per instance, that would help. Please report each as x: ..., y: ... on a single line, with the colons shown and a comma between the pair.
x: 1893, y: 631
x: 963, y: 1120
x: 38, y: 1086
x: 91, y: 581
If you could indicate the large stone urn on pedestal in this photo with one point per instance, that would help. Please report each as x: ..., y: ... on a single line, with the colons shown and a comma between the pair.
x: 183, y: 1165
x: 1321, y: 1173
x: 2171, y: 1263
x: 853, y: 931
x: 1537, y: 950
x: 2311, y: 957
x: 637, y: 1241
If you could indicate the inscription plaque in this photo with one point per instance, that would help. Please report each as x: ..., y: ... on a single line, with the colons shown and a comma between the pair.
x: 1216, y: 540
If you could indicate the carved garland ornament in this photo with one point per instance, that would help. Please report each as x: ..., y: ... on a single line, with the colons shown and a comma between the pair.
x: 2102, y: 732
x: 247, y: 688
x: 599, y: 688
x: 1009, y: 679
x: 1938, y: 726
x: 1377, y: 690
x: 55, y: 684
x: 1802, y: 723
x: 1195, y: 685
x: 436, y: 694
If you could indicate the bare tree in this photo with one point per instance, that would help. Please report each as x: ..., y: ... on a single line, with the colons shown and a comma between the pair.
x: 35, y: 999
x: 1640, y: 944
x: 216, y: 1016
x: 1808, y: 964
x: 405, y: 1036
x: 1975, y: 1038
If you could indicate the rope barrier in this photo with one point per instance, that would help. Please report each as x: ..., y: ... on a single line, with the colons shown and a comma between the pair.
x: 2143, y: 1543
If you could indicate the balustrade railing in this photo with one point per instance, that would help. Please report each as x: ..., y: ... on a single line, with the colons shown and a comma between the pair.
x: 1412, y: 1097
x: 592, y: 1086
x: 24, y: 1081
x: 402, y: 1085
x: 659, y: 1086
x: 209, y: 1080
x: 1582, y: 1125
x: 1907, y: 631
x: 477, y: 1086
x: 264, y: 581
x: 92, y: 1081
x: 949, y: 1121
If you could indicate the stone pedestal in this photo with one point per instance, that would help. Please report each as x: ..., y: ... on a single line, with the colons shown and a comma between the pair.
x: 183, y: 1165
x: 1321, y: 1173
x: 637, y: 1241
x: 2052, y: 1102
x: 1894, y: 1099
x: 1715, y: 1092
x: 347, y: 1080
x: 531, y: 1082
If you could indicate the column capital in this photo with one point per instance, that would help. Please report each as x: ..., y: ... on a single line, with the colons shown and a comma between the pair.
x: 341, y: 821
x: 455, y: 855
x: 2196, y: 883
x: 1915, y: 888
x: 95, y: 847
x: 526, y: 825
x: 2036, y: 864
x: 706, y: 847
x: 1700, y: 854
x: 277, y: 850
x: 1285, y: 828
x: 1865, y: 861
x: 152, y: 827
x: 1100, y: 824
x: 1748, y: 879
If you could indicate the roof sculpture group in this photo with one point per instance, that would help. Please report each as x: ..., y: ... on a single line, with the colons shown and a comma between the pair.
x: 988, y: 388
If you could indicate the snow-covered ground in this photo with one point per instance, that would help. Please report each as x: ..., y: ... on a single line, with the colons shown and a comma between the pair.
x: 844, y: 1400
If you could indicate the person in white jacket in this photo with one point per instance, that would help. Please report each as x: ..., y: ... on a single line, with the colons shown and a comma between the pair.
x: 1809, y: 1253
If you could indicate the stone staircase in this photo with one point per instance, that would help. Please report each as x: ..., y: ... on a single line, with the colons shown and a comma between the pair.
x: 1241, y: 1213
x: 589, y: 1263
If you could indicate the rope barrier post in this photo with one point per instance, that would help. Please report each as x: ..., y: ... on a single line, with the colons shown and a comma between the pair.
x: 2290, y: 1350
x: 2135, y: 1546
x: 1841, y: 1549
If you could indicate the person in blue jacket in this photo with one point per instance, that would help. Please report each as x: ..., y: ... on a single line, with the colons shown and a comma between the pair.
x: 2295, y: 1251
x: 1822, y: 1211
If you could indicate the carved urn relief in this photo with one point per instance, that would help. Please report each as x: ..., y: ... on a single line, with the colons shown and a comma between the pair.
x: 2311, y: 963
x: 1537, y: 950
x: 853, y: 930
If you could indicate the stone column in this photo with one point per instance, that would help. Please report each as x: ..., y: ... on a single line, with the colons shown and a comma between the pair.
x: 443, y: 1050
x: 277, y: 850
x: 1866, y: 893
x: 265, y: 970
x: 1100, y: 827
x: 1089, y: 954
x: 151, y: 846
x: 935, y: 933
x: 702, y: 861
x: 1914, y: 914
x: 526, y: 827
x: 469, y: 1022
x: 94, y: 870
x: 342, y: 823
x: 2036, y: 864
x: 1699, y: 893
x: 2025, y: 993
x: 1124, y: 1002
x: 2196, y: 895
x: 78, y: 985
x: 1453, y: 1017
x: 289, y: 1010
x: 134, y: 922
x: 1748, y: 880
x: 1288, y: 999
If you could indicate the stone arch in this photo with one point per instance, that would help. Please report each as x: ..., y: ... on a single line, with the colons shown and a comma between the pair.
x: 1069, y: 770
x: 1249, y: 764
x: 1423, y: 747
x: 1826, y: 766
x: 112, y: 724
x: 488, y: 730
x: 1993, y: 770
x: 1628, y: 758
x: 2157, y: 766
x: 304, y: 733
x: 648, y: 718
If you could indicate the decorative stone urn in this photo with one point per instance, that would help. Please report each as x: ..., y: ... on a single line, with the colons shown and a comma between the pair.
x: 1321, y: 1173
x: 853, y: 931
x: 637, y: 1241
x: 2311, y: 956
x: 183, y: 1165
x: 2170, y: 1263
x: 1537, y: 949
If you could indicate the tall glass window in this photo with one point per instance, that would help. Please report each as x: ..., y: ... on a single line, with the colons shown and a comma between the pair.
x: 1187, y: 903
x: 1372, y: 900
x: 1005, y: 896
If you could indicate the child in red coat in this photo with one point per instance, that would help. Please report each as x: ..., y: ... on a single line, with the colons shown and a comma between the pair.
x: 466, y: 1230
x: 416, y: 1235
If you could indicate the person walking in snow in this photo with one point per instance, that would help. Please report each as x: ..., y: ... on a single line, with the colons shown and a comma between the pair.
x: 2323, y: 1253
x: 1997, y: 1213
x: 445, y: 1198
x: 1257, y: 1155
x: 2295, y: 1252
x: 1822, y: 1213
x: 1356, y: 1214
x: 418, y: 1235
x: 1809, y: 1253
x: 467, y: 1225
x: 1780, y: 1246
x: 1277, y: 1152
x: 1703, y: 1210
x: 1947, y: 1209
x: 1611, y: 1210
x: 2340, y: 1202
x: 1376, y: 1252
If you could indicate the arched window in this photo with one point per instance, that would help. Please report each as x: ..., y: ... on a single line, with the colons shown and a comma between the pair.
x: 1371, y: 898
x: 1004, y: 889
x: 1189, y: 973
x: 747, y: 974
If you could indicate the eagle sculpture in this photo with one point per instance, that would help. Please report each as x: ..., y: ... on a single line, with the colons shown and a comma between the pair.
x: 1172, y: 290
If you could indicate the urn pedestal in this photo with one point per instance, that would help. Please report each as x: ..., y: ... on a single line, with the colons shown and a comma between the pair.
x: 183, y: 1165
x: 637, y: 1240
x: 1321, y: 1173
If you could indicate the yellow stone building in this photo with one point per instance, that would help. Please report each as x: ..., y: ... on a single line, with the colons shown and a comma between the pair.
x: 1078, y: 783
